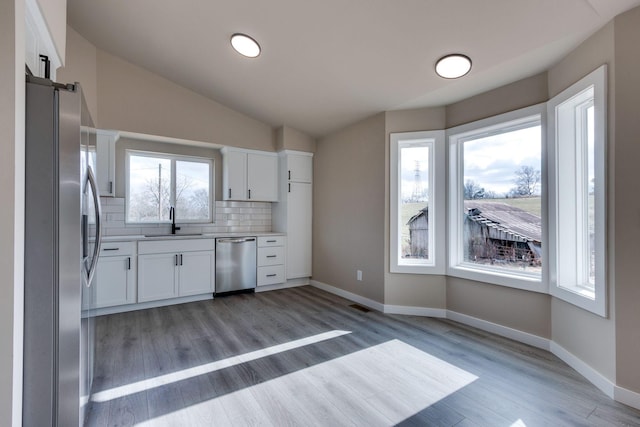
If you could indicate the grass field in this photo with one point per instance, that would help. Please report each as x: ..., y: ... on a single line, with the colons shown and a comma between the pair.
x: 530, y: 204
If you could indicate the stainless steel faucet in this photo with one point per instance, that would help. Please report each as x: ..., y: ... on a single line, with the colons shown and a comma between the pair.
x: 172, y: 217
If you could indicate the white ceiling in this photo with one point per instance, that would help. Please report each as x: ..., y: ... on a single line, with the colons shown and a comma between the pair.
x: 326, y: 64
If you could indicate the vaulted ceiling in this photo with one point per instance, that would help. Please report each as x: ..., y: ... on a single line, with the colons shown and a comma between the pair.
x: 326, y: 64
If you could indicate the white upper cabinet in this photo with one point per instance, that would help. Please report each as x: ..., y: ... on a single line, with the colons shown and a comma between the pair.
x: 106, y: 161
x: 234, y: 175
x: 262, y: 176
x: 299, y: 167
x: 249, y: 175
x: 40, y: 41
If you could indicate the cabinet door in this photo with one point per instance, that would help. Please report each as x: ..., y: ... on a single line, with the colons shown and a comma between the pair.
x: 196, y: 273
x: 299, y: 231
x: 156, y: 277
x: 300, y: 168
x: 234, y: 176
x: 262, y: 177
x: 105, y: 163
x: 115, y: 284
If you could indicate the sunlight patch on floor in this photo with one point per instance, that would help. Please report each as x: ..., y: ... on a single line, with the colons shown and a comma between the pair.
x: 519, y: 423
x: 380, y: 385
x: 136, y: 387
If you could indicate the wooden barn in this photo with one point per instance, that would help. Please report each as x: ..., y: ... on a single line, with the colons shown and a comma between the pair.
x: 494, y: 232
x: 500, y: 232
x: 419, y: 234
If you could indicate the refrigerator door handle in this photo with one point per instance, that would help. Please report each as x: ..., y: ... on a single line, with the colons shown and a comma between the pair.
x: 90, y: 271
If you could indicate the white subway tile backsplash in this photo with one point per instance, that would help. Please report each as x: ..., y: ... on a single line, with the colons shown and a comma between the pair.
x: 235, y: 217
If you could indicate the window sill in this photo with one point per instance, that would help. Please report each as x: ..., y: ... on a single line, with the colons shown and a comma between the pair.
x: 521, y: 281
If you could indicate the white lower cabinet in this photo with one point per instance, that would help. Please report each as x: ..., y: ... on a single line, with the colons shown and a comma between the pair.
x: 156, y: 277
x: 271, y: 260
x: 115, y: 279
x: 175, y: 268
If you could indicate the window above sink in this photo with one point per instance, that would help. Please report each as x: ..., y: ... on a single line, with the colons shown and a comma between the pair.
x: 157, y: 181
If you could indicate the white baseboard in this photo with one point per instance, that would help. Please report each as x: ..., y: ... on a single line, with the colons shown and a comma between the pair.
x: 595, y: 377
x: 504, y: 331
x: 415, y: 311
x: 148, y: 304
x: 288, y: 284
x: 628, y: 397
x: 348, y: 295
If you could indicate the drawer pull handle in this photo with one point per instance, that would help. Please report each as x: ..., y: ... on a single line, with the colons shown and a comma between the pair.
x: 110, y: 249
x: 271, y: 256
x: 271, y: 241
x: 271, y: 275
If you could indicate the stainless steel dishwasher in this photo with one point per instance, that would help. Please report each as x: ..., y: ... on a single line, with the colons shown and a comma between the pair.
x: 235, y: 264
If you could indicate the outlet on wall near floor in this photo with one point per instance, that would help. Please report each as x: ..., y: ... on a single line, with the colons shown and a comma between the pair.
x: 359, y: 275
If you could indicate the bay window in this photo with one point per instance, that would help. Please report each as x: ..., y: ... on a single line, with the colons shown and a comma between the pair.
x: 496, y: 200
x: 577, y: 158
x: 417, y: 202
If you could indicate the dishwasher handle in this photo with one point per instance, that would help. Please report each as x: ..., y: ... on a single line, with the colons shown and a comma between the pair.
x: 236, y: 240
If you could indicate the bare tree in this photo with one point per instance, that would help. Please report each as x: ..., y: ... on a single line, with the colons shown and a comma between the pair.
x: 527, y: 180
x: 472, y: 190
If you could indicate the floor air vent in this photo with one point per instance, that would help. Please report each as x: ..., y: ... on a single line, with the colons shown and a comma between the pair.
x: 360, y: 308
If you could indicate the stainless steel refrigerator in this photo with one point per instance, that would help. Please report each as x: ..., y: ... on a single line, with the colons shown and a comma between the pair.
x: 62, y: 243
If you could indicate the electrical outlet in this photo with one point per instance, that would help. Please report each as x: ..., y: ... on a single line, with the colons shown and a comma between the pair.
x: 359, y: 275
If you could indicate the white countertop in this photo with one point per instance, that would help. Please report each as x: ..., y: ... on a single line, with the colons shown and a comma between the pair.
x: 136, y: 237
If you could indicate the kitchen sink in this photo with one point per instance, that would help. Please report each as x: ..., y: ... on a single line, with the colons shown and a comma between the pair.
x: 174, y: 235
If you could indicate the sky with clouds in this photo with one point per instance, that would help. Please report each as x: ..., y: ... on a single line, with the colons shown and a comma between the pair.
x: 490, y: 161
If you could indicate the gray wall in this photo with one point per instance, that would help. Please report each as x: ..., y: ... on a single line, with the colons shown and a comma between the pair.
x: 11, y: 209
x: 349, y: 208
x: 81, y: 65
x: 626, y: 202
x: 288, y: 138
x: 589, y: 337
x: 133, y: 99
x: 413, y: 290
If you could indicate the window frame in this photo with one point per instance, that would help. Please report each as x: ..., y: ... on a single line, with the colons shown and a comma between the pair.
x: 173, y: 158
x: 573, y: 293
x: 456, y: 136
x: 435, y: 140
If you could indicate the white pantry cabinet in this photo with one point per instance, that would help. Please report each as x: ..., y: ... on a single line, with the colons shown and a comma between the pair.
x: 175, y: 268
x: 293, y: 213
x: 249, y: 175
x: 115, y: 279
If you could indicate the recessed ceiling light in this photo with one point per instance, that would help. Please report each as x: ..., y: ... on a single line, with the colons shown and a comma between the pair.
x: 245, y: 45
x: 453, y: 66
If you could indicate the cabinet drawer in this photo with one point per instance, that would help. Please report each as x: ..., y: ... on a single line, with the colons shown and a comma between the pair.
x: 270, y: 256
x: 175, y: 246
x: 264, y: 241
x: 117, y: 248
x: 271, y: 275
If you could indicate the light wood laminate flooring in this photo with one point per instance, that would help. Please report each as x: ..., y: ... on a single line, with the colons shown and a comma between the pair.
x: 303, y: 357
